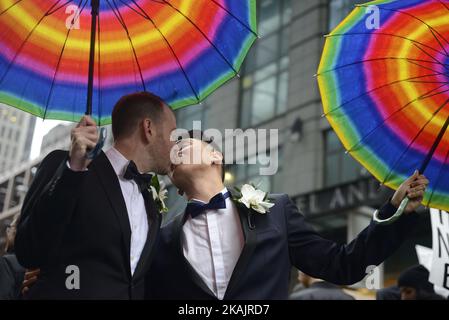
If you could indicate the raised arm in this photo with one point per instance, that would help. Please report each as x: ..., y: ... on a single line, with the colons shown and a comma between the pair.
x: 347, y: 264
x: 52, y: 198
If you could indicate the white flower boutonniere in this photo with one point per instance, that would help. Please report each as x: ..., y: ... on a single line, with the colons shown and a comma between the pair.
x: 159, y: 193
x: 254, y: 199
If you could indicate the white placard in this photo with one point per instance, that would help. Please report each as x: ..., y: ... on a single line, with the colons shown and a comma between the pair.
x: 439, y: 272
x: 425, y: 257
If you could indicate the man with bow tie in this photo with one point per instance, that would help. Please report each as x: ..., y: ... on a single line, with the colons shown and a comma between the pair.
x: 221, y: 249
x: 90, y: 226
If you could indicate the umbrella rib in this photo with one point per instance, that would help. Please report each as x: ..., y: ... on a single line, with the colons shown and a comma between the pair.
x: 59, y: 61
x: 413, y: 141
x: 56, y: 9
x: 438, y: 178
x: 434, y: 82
x: 205, y: 36
x: 443, y: 4
x: 25, y: 41
x: 139, y: 13
x: 115, y: 14
x: 171, y: 49
x: 379, y: 59
x: 375, y: 89
x: 386, y: 34
x: 432, y: 30
x: 439, y: 42
x: 421, y: 97
x: 236, y: 18
x: 227, y: 11
x: 100, y: 95
x: 122, y: 21
x: 431, y: 57
x: 435, y: 94
x: 10, y: 7
x: 428, y: 68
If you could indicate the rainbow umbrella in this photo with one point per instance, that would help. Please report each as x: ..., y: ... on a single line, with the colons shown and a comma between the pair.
x: 384, y: 82
x: 61, y: 59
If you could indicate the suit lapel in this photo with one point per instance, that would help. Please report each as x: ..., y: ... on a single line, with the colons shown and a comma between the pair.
x: 177, y: 246
x: 249, y: 232
x: 111, y: 185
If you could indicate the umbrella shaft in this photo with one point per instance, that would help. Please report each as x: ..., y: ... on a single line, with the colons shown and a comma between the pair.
x: 434, y: 147
x: 93, y: 32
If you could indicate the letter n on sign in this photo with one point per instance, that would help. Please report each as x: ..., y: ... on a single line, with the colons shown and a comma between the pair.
x: 439, y: 275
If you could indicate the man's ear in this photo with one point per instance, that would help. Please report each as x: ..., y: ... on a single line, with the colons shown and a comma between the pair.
x: 148, y: 127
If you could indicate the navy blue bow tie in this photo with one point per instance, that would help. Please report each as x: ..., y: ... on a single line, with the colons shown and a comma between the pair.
x: 195, y: 208
x: 142, y: 180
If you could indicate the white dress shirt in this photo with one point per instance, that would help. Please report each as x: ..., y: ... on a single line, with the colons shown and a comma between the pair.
x: 135, y: 206
x: 212, y: 244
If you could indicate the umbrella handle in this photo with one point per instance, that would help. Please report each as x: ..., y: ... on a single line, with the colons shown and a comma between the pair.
x: 394, y: 217
x: 96, y: 150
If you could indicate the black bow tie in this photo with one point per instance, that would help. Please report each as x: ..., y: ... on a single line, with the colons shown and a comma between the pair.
x: 143, y: 180
x: 195, y: 208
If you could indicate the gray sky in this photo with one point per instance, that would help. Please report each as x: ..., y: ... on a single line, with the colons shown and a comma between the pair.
x: 42, y: 128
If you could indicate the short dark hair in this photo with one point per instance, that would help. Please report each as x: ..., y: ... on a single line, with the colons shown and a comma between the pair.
x: 198, y: 134
x: 132, y: 108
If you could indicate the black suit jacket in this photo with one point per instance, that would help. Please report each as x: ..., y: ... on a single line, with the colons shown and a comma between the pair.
x: 274, y: 242
x: 80, y: 218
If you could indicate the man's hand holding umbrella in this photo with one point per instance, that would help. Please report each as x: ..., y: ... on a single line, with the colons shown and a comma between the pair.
x: 414, y: 188
x: 84, y: 138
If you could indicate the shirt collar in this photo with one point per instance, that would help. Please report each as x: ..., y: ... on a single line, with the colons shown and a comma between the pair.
x: 196, y: 200
x: 118, y: 161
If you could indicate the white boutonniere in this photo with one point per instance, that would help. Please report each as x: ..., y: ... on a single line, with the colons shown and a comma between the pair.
x: 159, y: 193
x: 254, y: 199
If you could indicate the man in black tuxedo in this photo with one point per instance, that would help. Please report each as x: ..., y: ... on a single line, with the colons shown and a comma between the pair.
x: 220, y: 249
x: 90, y: 226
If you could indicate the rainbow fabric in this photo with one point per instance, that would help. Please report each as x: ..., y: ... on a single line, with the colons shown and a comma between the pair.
x: 181, y: 50
x: 385, y: 90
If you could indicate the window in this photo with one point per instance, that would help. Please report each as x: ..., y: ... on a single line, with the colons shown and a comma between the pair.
x: 249, y: 173
x: 186, y: 116
x: 339, y: 166
x: 273, y: 14
x: 338, y: 10
x: 265, y: 80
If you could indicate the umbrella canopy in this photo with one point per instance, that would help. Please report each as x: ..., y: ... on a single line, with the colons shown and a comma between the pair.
x: 384, y: 82
x: 180, y: 50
